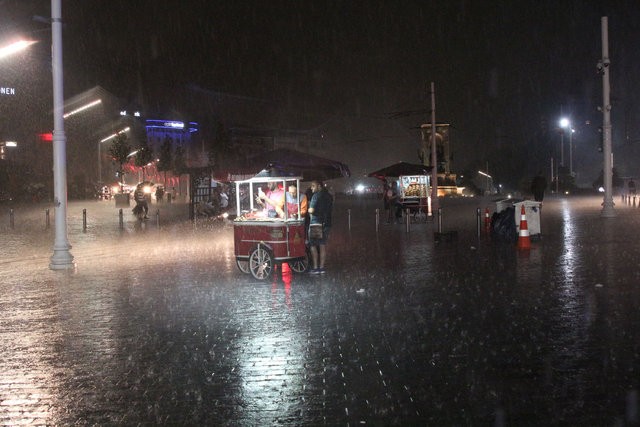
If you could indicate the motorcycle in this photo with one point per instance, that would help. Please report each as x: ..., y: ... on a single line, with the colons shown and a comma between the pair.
x: 213, y: 217
x: 138, y: 212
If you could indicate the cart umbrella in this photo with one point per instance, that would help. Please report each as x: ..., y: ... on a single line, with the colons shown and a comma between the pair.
x: 284, y: 162
x: 401, y: 169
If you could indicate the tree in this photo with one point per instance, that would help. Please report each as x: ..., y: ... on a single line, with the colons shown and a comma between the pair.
x: 144, y: 156
x: 119, y: 150
x: 221, y: 146
x: 179, y: 164
x: 165, y: 159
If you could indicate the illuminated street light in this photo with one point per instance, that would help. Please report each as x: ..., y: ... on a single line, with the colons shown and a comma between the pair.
x: 108, y: 138
x: 84, y: 107
x: 564, y: 124
x: 113, y: 135
x: 5, y: 144
x: 15, y: 47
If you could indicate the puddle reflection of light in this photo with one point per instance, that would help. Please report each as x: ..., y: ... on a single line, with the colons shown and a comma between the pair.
x: 568, y: 259
x: 273, y: 355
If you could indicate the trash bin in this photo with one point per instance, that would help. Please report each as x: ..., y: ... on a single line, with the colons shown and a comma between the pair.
x: 532, y: 212
x: 505, y: 203
x: 531, y: 209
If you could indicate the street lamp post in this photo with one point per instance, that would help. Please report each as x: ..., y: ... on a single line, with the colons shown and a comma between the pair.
x: 607, y: 172
x: 564, y: 124
x: 489, y: 177
x: 571, y: 132
x: 61, y: 258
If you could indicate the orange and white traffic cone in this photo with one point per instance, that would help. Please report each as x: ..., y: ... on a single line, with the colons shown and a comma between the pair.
x: 524, y: 241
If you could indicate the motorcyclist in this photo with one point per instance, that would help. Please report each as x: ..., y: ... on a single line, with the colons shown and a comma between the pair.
x: 141, y: 200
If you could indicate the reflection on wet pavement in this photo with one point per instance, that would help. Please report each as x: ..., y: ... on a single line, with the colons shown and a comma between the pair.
x: 158, y: 326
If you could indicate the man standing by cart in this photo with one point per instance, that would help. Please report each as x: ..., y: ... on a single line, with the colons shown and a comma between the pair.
x: 320, y: 209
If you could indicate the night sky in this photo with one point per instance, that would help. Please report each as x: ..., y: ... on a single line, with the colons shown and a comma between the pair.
x: 359, y: 71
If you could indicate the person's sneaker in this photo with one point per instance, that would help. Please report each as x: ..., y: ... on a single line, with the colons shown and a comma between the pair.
x: 321, y: 271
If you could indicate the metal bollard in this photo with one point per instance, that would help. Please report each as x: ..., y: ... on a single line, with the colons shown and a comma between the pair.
x: 377, y: 219
x: 121, y: 219
x: 11, y: 219
x: 439, y: 220
x: 478, y: 216
x: 349, y: 218
x: 46, y: 219
x: 84, y: 220
x: 408, y: 220
x: 169, y: 198
x: 158, y: 218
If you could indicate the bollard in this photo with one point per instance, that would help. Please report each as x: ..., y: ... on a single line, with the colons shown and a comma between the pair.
x: 377, y: 219
x: 121, y: 219
x: 46, y: 219
x: 634, y: 201
x: 478, y: 220
x: 11, y: 220
x: 408, y: 220
x: 84, y: 220
x: 168, y: 197
x: 158, y: 218
x: 439, y: 220
x: 349, y: 218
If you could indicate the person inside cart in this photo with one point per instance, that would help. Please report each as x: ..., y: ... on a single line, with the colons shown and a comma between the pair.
x: 292, y: 203
x: 272, y: 201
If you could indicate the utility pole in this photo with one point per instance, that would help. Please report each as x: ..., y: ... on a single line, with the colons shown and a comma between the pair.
x: 434, y: 153
x: 603, y: 67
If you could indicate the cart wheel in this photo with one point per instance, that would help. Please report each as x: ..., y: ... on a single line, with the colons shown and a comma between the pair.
x: 299, y: 265
x: 260, y: 263
x: 243, y: 265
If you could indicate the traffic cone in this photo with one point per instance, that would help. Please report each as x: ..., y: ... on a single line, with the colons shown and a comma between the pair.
x: 487, y: 219
x: 524, y: 241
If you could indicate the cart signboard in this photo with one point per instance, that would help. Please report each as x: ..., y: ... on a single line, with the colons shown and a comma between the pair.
x: 414, y: 186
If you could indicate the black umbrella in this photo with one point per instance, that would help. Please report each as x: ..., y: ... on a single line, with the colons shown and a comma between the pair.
x: 401, y: 169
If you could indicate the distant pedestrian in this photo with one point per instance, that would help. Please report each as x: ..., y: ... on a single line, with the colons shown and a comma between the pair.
x: 538, y: 185
x: 159, y: 193
x: 632, y: 186
x: 395, y: 207
x: 320, y: 210
x: 386, y: 197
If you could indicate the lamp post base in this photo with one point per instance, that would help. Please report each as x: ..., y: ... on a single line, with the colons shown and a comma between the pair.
x: 62, y: 260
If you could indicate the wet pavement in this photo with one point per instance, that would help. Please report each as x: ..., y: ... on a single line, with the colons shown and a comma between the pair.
x: 156, y: 325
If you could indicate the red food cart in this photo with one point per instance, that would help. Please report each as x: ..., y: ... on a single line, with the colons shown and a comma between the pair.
x: 260, y: 241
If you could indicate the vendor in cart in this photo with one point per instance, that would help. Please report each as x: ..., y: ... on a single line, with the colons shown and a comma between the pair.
x: 272, y: 201
x: 292, y: 203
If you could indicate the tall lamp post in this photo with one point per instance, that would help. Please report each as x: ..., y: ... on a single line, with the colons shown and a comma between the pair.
x: 489, y: 177
x: 61, y: 258
x: 566, y: 124
x: 607, y: 172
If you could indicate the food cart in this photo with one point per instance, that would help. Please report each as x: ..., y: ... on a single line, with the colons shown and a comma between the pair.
x: 261, y: 242
x: 414, y: 193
